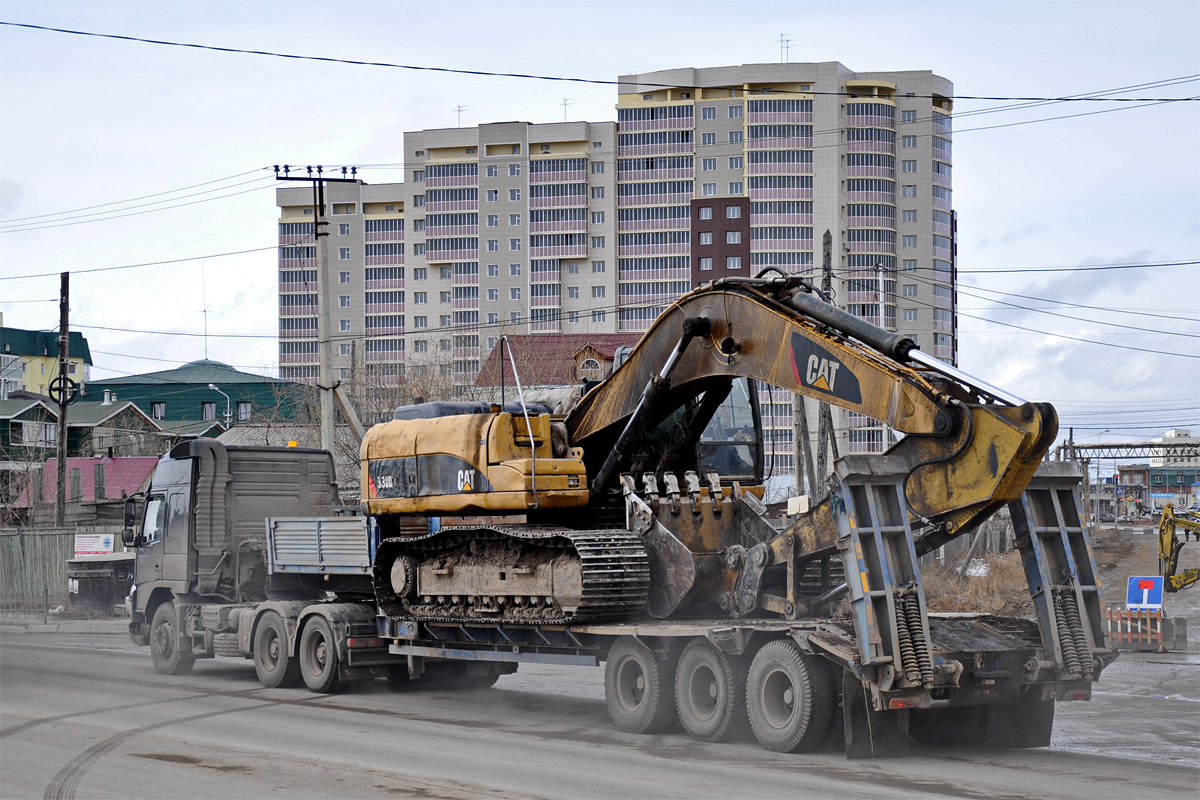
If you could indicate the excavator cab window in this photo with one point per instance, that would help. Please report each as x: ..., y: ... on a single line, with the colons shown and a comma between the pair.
x: 731, y: 442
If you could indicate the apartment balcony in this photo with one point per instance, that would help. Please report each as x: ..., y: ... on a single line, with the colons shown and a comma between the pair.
x: 298, y: 311
x: 384, y: 236
x: 440, y: 206
x: 871, y: 147
x: 942, y: 227
x: 298, y: 263
x: 864, y: 297
x: 872, y: 197
x: 870, y: 121
x: 311, y: 334
x: 394, y: 260
x: 941, y: 252
x: 295, y: 238
x: 871, y: 172
x: 451, y: 181
x: 667, y: 149
x: 669, y: 124
x: 560, y: 226
x: 566, y: 201
x: 873, y: 247
x: 665, y: 274
x: 788, y: 168
x: 559, y: 251
x: 436, y: 231
x: 546, y: 325
x: 561, y: 176
x: 871, y: 222
x: 942, y: 127
x: 780, y: 219
x: 779, y: 118
x: 383, y: 357
x: 945, y: 351
x: 445, y: 256
x: 787, y: 245
x: 678, y: 198
x: 941, y: 204
x: 383, y: 283
x: 780, y: 194
x: 781, y: 143
x: 673, y: 249
x: 297, y: 287
x: 943, y: 325
x: 941, y: 302
x: 633, y: 226
x: 385, y: 330
x: 464, y: 352
x: 678, y: 173
x: 298, y: 358
x: 465, y: 304
x: 383, y: 308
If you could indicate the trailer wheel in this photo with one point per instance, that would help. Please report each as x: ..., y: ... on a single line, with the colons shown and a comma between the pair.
x: 168, y: 657
x: 273, y: 661
x: 637, y: 688
x: 788, y: 697
x: 319, y: 656
x: 710, y: 693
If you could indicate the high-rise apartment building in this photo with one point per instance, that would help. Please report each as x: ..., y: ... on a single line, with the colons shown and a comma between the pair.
x: 596, y: 227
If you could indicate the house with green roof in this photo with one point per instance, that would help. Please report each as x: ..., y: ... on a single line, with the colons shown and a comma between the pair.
x: 36, y: 352
x: 207, y: 391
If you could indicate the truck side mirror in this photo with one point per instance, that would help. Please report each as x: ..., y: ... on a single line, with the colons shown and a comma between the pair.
x: 128, y: 537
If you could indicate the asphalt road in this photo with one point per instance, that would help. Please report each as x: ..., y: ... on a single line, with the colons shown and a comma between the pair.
x: 80, y: 721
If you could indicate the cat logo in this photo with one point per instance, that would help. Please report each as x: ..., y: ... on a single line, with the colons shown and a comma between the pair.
x: 465, y: 478
x: 815, y: 367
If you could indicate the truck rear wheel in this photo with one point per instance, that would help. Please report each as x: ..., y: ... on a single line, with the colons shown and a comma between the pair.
x: 169, y: 658
x: 710, y: 693
x: 319, y: 656
x: 273, y: 660
x: 637, y: 688
x: 789, y: 698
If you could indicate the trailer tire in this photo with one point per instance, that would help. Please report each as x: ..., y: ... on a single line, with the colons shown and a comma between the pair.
x: 789, y: 698
x: 319, y: 656
x: 710, y: 693
x: 637, y: 688
x: 274, y: 663
x: 168, y: 657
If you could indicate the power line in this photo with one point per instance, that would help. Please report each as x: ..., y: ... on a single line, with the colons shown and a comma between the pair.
x: 1137, y: 312
x: 531, y: 76
x: 135, y: 266
x: 1095, y: 268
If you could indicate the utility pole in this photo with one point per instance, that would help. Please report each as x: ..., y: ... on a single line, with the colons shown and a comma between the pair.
x: 566, y: 101
x: 825, y: 416
x: 458, y: 110
x: 64, y: 398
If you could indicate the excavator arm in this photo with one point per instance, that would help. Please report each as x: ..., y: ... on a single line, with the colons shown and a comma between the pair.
x: 1169, y: 547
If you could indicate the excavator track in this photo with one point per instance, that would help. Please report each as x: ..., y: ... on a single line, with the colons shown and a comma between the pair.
x: 514, y: 573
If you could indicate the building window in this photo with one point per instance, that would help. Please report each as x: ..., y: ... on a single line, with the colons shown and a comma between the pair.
x: 514, y: 170
x: 493, y: 220
x: 420, y: 273
x: 420, y: 322
x: 418, y: 175
x: 910, y: 290
x: 908, y: 166
x: 420, y: 346
x: 735, y: 187
x: 597, y: 217
x: 573, y: 317
x: 735, y: 112
x: 493, y: 245
x: 597, y: 291
x: 514, y: 293
x: 733, y: 212
x: 514, y: 244
x: 709, y: 189
x: 343, y: 254
x: 597, y: 242
x: 908, y: 116
x: 344, y: 349
x: 733, y: 262
x: 572, y: 292
x: 597, y: 192
x: 514, y: 269
x: 597, y: 144
x: 733, y: 237
x: 418, y: 224
x: 514, y: 219
x: 909, y: 216
x: 445, y: 272
x: 208, y: 411
x: 444, y: 321
x: 493, y: 170
x: 493, y: 270
x: 708, y: 164
x: 514, y: 317
x: 597, y: 167
x: 707, y: 139
x: 158, y: 410
x: 493, y: 195
x: 910, y: 265
x: 343, y: 325
x: 493, y: 294
x: 910, y: 241
x: 705, y: 237
x: 420, y: 298
x: 343, y: 229
x: 343, y: 277
x: 419, y: 249
x: 908, y: 141
x: 545, y: 148
x: 444, y: 297
x: 516, y: 149
x: 598, y: 266
x: 735, y: 137
x: 705, y: 212
x: 706, y: 264
x: 514, y: 195
x: 419, y: 200
x: 343, y: 301
x: 493, y: 319
x: 910, y: 315
x: 909, y: 191
x: 598, y: 316
x: 708, y: 112
x: 735, y: 162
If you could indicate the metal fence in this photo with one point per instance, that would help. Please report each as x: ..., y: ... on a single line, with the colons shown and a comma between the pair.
x: 33, y: 565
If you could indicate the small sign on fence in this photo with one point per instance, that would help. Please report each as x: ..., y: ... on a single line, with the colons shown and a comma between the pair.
x: 1144, y: 593
x: 93, y: 544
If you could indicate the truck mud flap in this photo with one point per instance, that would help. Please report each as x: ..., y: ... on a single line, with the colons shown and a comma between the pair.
x: 871, y: 733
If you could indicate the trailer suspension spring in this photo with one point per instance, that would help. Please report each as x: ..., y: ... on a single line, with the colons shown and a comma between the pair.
x: 1066, y: 639
x: 1071, y: 608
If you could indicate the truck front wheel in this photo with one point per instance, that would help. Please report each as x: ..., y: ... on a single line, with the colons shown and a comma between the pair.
x: 169, y: 658
x: 319, y: 656
x: 637, y: 688
x: 273, y: 661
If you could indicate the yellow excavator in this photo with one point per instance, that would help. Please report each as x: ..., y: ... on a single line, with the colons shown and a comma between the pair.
x: 1169, y: 547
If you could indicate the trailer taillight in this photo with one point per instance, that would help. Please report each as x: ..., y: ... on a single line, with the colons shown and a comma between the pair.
x: 359, y: 641
x: 902, y: 702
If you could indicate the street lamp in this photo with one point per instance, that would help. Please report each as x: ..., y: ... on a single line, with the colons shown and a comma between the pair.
x: 228, y: 414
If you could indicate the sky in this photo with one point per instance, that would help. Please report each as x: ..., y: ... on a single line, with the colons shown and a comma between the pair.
x: 117, y: 153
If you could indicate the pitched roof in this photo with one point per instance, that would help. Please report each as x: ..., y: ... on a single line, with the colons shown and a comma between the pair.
x: 548, y: 359
x: 125, y: 475
x: 198, y: 428
x: 15, y: 406
x: 201, y: 372
x: 86, y: 415
x: 32, y: 344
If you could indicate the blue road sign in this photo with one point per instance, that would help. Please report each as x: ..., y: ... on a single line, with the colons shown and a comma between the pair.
x: 1145, y: 593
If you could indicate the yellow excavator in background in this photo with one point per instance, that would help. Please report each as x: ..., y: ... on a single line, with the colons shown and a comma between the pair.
x: 1169, y: 547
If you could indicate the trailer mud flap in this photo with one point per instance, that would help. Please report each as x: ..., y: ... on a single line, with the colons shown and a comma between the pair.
x: 871, y: 733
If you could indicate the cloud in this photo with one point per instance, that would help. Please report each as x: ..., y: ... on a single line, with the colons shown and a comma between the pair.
x: 12, y: 193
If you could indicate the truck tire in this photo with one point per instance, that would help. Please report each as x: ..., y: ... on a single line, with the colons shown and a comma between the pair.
x: 168, y: 657
x: 710, y: 693
x: 637, y: 688
x: 277, y: 668
x: 319, y: 656
x: 789, y: 698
